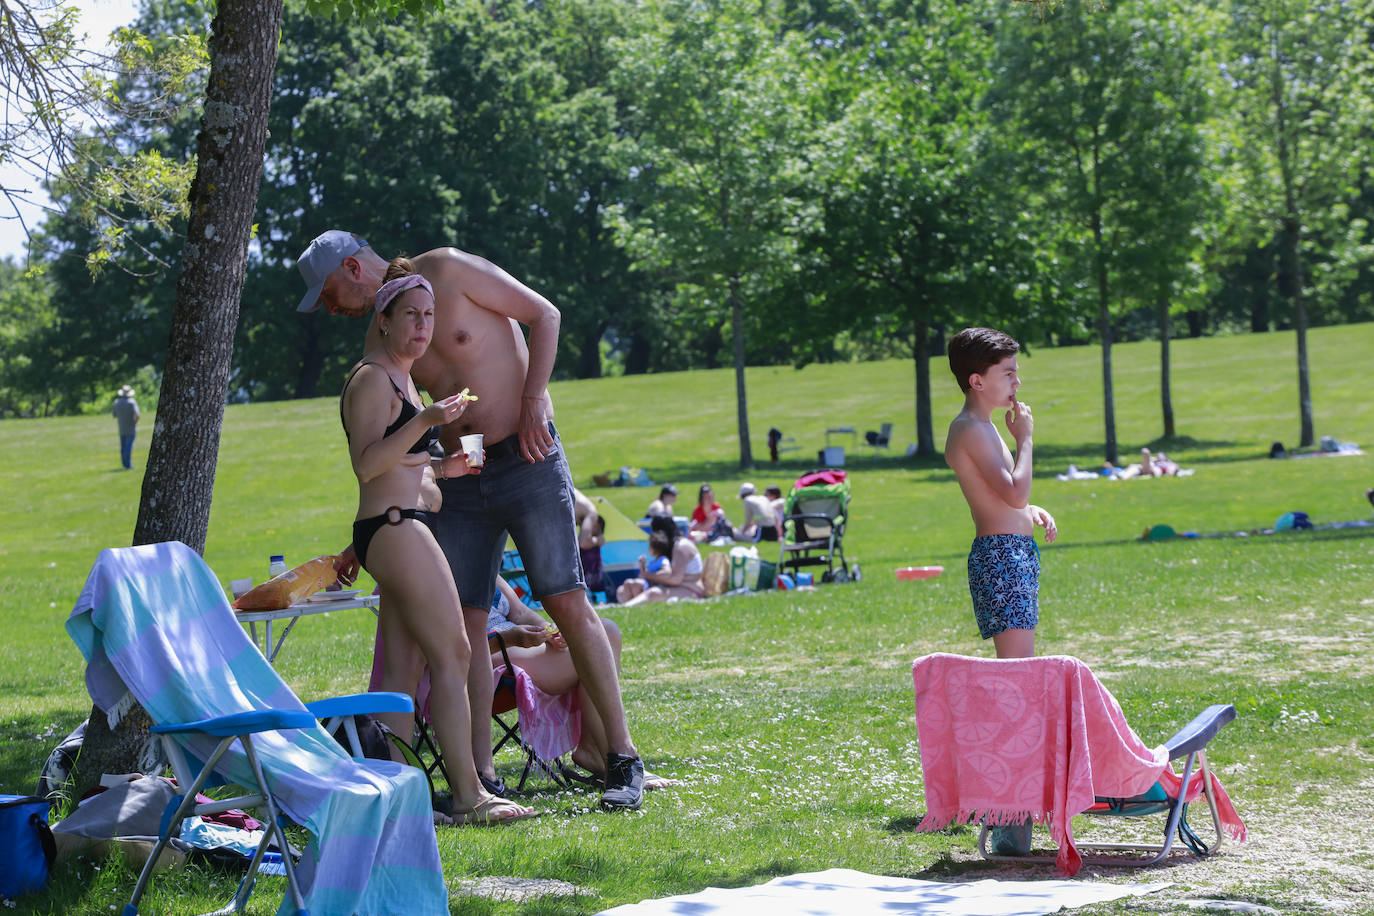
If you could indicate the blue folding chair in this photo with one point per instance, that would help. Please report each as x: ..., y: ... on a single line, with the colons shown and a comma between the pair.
x: 156, y: 630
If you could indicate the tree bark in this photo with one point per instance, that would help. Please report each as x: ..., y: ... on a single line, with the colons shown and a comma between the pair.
x: 746, y: 454
x: 1166, y: 400
x: 180, y: 476
x: 925, y: 433
x: 1104, y: 330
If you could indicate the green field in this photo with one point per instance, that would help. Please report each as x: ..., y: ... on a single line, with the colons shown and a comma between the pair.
x: 789, y: 715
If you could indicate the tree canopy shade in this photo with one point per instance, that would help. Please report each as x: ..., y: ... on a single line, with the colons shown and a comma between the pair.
x: 882, y: 173
x: 914, y: 234
x: 716, y: 118
x: 1105, y: 94
x: 1300, y: 77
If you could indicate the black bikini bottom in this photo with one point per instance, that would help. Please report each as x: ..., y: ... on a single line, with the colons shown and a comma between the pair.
x: 365, y: 528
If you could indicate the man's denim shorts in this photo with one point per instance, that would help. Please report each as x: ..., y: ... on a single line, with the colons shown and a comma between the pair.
x: 533, y: 502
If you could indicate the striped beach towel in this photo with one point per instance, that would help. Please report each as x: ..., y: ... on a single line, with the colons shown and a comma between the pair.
x: 156, y: 630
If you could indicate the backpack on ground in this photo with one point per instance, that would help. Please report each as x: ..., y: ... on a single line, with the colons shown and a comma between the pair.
x: 27, y: 843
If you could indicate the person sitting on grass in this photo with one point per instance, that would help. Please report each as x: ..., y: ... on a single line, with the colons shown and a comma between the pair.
x: 664, y: 504
x: 708, y: 518
x: 761, y: 522
x: 678, y: 572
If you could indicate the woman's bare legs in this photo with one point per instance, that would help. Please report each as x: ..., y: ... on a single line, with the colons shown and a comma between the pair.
x: 403, y: 664
x: 662, y: 593
x: 552, y: 672
x: 408, y: 564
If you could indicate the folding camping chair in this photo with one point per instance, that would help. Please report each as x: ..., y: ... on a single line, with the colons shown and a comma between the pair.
x: 813, y: 525
x: 879, y: 439
x: 1041, y: 738
x: 423, y: 750
x: 156, y: 631
x: 505, y: 700
x: 513, y: 571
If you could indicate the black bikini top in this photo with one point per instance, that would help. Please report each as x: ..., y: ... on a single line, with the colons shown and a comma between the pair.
x: 408, y: 412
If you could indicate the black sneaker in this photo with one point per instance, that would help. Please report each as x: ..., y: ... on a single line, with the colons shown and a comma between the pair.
x: 624, y: 783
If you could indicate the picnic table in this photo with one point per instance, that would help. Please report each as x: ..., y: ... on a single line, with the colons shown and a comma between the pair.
x: 319, y: 603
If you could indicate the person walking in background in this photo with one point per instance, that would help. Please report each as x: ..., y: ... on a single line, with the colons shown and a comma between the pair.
x: 126, y: 414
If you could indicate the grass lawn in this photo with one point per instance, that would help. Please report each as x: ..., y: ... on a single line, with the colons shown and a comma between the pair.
x: 789, y: 715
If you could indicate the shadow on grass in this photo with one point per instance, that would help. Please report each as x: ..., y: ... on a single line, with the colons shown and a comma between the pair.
x: 27, y: 740
x: 1051, y: 459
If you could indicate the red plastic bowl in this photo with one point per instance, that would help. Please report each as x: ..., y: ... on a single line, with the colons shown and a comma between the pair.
x: 919, y: 572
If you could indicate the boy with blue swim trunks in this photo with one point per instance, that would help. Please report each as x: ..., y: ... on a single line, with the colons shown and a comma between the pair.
x: 1004, y: 563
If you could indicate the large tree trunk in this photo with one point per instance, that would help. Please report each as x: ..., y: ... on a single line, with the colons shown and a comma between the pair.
x: 1166, y: 399
x: 180, y: 476
x: 925, y: 433
x: 1104, y: 330
x: 1292, y: 260
x: 746, y: 454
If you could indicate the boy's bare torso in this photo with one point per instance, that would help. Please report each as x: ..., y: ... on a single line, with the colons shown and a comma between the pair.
x: 983, y: 465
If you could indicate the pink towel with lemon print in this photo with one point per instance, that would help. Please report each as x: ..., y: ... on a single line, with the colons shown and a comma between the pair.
x: 550, y: 724
x: 1003, y: 740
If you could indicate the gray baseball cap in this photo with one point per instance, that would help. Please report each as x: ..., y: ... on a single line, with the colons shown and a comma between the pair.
x: 321, y: 258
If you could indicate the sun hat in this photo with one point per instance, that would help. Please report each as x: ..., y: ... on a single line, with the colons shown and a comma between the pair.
x: 321, y: 258
x: 125, y: 391
x: 746, y: 489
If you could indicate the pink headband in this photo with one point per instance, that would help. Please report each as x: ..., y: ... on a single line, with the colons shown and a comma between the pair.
x: 393, y: 288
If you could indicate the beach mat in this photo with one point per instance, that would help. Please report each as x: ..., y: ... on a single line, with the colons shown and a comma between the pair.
x: 843, y: 892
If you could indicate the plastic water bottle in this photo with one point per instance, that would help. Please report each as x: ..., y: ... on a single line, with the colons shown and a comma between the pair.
x: 276, y: 566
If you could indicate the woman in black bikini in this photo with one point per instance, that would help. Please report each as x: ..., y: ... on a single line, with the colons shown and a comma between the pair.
x: 388, y: 442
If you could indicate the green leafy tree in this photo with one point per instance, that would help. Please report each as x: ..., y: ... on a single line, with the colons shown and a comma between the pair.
x: 179, y: 479
x: 916, y: 234
x: 26, y: 312
x: 1101, y: 98
x: 1301, y: 79
x: 715, y: 113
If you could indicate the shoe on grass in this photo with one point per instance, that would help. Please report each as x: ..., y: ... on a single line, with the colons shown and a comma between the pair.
x: 624, y: 783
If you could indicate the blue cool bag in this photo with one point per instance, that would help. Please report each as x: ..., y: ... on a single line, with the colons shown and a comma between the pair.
x: 26, y: 845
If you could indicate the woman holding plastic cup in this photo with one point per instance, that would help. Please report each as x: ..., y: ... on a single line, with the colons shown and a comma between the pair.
x: 388, y: 441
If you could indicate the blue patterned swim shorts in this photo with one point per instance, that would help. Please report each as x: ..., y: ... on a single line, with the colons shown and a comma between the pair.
x: 1004, y: 579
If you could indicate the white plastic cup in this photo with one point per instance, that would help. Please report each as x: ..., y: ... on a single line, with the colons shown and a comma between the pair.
x: 241, y: 587
x: 472, y: 448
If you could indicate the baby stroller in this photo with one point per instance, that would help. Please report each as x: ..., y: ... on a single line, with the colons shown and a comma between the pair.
x: 813, y: 525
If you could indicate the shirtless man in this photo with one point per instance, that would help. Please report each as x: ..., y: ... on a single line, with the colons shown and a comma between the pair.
x: 525, y: 486
x: 760, y: 520
x: 1004, y: 563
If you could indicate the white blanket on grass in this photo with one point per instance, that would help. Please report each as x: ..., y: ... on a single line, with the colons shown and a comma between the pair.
x: 844, y: 892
